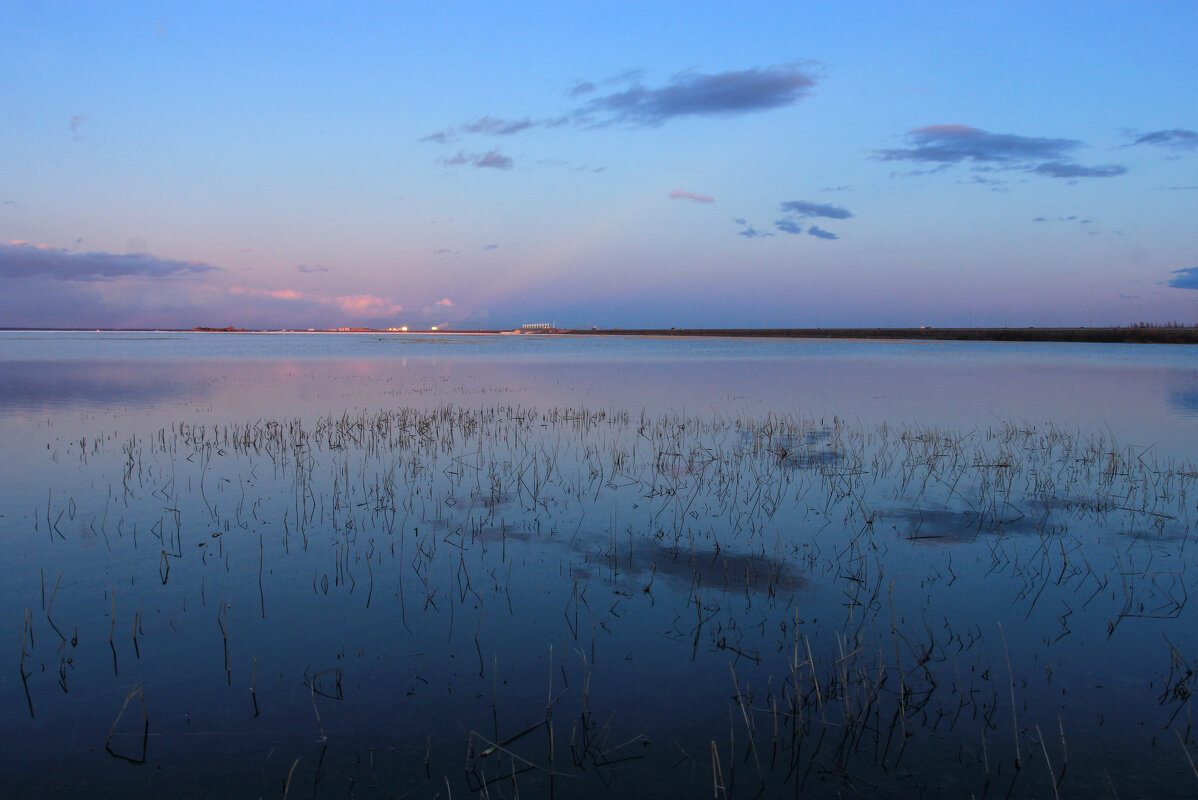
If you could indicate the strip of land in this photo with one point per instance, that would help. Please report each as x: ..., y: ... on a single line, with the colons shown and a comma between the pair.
x: 1134, y: 334
x: 1140, y: 334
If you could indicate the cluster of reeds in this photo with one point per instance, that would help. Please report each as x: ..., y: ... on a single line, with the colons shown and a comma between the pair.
x: 828, y: 607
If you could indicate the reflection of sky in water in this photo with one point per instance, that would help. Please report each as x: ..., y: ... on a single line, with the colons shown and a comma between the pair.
x: 1140, y: 394
x: 724, y: 571
x: 948, y: 526
x: 1184, y: 399
x: 52, y: 385
x: 415, y: 577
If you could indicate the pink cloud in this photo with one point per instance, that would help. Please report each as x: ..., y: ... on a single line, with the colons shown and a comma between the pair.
x: 366, y: 305
x: 679, y: 194
x: 445, y: 301
x: 362, y: 305
x: 279, y: 294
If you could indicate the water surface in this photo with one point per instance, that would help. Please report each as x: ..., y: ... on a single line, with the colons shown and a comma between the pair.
x: 537, y: 566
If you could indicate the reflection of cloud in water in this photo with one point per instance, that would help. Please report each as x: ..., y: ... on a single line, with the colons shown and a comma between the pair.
x: 1185, y: 400
x: 77, y: 383
x: 1073, y: 505
x: 957, y: 527
x: 810, y: 450
x: 1114, y: 518
x: 810, y: 459
x: 501, y: 534
x: 702, y: 568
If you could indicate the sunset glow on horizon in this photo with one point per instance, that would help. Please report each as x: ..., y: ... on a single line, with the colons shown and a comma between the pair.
x: 612, y: 164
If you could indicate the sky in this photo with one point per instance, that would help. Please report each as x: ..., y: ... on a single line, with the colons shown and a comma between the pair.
x: 614, y: 164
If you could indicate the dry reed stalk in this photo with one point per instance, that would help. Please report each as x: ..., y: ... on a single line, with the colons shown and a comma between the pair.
x: 1011, y: 683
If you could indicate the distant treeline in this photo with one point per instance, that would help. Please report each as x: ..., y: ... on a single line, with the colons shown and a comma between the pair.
x: 1139, y: 333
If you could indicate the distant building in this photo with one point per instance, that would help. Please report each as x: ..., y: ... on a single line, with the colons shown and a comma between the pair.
x: 537, y: 326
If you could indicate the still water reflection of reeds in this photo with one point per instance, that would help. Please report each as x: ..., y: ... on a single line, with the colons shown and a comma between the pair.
x: 501, y: 599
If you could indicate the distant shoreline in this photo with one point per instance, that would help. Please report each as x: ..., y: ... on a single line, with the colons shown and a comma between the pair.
x: 1115, y: 335
x: 1107, y: 335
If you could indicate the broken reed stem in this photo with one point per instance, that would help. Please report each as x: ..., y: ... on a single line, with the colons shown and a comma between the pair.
x: 49, y: 605
x: 1064, y: 751
x: 24, y: 638
x: 748, y: 726
x: 140, y: 691
x: 319, y: 724
x: 261, y: 592
x: 1052, y: 776
x: 224, y: 635
x: 1011, y: 683
x: 1186, y: 750
x: 27, y: 635
x: 290, y: 774
x: 717, y: 772
x: 897, y: 660
x: 814, y: 677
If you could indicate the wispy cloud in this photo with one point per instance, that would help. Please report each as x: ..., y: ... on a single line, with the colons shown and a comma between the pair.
x: 493, y: 126
x: 1186, y: 278
x: 306, y: 269
x: 956, y: 143
x: 485, y: 125
x: 77, y: 121
x: 1058, y: 170
x: 721, y: 94
x: 749, y: 232
x: 687, y: 94
x: 993, y: 184
x: 23, y: 260
x: 492, y: 160
x: 581, y: 88
x: 796, y: 210
x: 444, y: 301
x: 1173, y: 139
x: 495, y: 160
x: 1070, y: 218
x: 679, y: 194
x: 802, y: 208
x: 945, y: 145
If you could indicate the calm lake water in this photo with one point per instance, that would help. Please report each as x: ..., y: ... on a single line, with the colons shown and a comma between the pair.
x: 367, y: 565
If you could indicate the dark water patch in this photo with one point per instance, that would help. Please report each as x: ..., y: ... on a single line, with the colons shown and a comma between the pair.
x: 959, y: 527
x: 689, y: 569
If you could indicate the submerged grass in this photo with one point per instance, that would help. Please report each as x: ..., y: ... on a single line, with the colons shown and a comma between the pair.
x: 563, y: 593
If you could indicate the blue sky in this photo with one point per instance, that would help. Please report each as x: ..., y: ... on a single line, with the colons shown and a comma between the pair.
x: 482, y: 165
